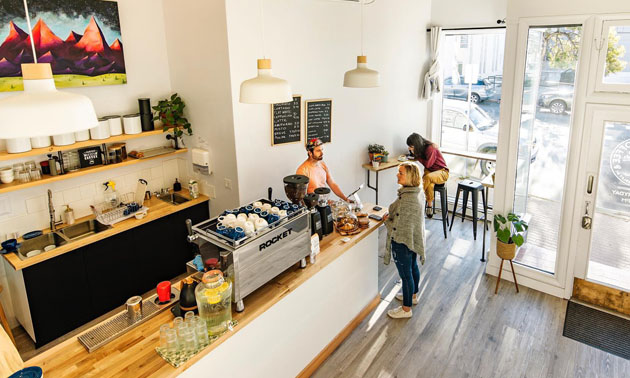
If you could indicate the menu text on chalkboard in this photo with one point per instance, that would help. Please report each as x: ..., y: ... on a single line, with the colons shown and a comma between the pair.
x: 286, y: 121
x: 319, y: 119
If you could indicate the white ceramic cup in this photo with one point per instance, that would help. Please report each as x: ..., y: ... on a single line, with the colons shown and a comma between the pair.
x: 257, y: 204
x: 266, y: 207
x: 282, y: 213
x: 7, y: 179
x: 252, y: 217
x: 249, y: 228
x: 375, y: 164
x: 275, y: 210
x: 242, y: 216
x: 230, y: 217
x: 260, y: 223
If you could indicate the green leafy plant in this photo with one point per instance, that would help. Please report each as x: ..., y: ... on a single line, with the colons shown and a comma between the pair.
x: 510, y: 229
x: 376, y: 149
x: 171, y: 113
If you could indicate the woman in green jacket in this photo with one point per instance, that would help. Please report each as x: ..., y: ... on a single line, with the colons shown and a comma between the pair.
x: 405, y: 236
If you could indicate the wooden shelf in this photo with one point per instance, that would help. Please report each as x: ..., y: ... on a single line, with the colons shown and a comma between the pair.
x: 46, y: 179
x: 5, y: 156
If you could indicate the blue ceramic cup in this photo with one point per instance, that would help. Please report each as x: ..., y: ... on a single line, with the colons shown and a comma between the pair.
x: 239, y: 233
x: 264, y: 215
x: 249, y: 209
x: 222, y: 230
x: 257, y: 211
x: 273, y: 218
x: 10, y: 245
x: 286, y: 206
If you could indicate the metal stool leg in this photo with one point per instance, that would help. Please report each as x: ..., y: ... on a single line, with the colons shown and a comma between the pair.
x: 485, y: 207
x: 454, y: 209
x: 464, y: 205
x: 444, y: 204
x: 475, y: 202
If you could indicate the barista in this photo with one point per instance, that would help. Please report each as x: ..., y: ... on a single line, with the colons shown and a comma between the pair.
x: 316, y: 170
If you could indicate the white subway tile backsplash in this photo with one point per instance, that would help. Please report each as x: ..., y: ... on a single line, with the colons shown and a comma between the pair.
x: 71, y: 195
x: 36, y: 204
x: 88, y: 191
x: 156, y: 172
x: 28, y: 208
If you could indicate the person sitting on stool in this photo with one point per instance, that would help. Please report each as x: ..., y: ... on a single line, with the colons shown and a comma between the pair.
x: 435, y: 169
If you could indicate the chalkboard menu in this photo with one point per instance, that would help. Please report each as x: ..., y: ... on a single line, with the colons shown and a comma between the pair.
x: 319, y: 119
x: 286, y: 121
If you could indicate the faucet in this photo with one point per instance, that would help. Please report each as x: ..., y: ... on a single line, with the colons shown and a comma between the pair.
x: 51, y: 212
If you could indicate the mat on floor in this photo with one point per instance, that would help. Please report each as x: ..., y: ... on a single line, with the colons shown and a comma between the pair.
x: 598, y: 329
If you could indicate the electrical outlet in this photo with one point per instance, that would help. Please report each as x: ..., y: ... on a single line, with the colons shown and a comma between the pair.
x: 228, y: 184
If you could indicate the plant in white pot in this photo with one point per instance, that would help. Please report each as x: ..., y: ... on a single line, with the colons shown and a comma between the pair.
x: 510, y: 231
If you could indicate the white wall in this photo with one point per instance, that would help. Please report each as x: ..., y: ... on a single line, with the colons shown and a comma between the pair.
x: 459, y: 13
x: 148, y: 76
x: 196, y: 33
x: 312, y: 43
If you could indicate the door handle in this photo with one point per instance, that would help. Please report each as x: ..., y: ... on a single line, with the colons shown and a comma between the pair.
x: 589, y: 185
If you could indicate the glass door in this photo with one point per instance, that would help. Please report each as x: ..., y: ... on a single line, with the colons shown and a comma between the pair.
x: 544, y: 140
x: 606, y: 243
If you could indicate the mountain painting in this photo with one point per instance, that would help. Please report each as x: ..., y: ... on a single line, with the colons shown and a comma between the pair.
x: 80, y: 39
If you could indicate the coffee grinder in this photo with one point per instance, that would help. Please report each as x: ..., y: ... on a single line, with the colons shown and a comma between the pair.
x: 324, y: 210
x: 295, y: 188
x: 316, y: 220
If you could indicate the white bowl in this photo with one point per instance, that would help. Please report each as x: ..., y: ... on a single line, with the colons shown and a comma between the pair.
x: 6, y: 179
x: 49, y: 247
x: 140, y: 215
x: 34, y: 253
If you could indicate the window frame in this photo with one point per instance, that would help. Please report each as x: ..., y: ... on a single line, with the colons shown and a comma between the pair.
x: 601, y: 45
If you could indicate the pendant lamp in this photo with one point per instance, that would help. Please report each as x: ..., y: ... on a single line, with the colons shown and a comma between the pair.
x: 42, y: 110
x: 362, y: 76
x: 265, y: 88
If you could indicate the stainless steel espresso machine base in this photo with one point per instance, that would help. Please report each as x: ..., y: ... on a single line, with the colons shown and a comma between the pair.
x: 259, y: 258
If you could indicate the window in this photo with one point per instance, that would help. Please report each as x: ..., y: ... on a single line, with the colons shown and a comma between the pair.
x: 481, y: 51
x: 614, y: 59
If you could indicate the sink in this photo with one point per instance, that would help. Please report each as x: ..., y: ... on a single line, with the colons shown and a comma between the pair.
x: 40, y: 242
x: 173, y: 198
x: 83, y: 229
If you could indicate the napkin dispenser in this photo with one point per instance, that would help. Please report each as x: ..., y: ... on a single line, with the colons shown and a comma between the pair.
x: 201, y: 161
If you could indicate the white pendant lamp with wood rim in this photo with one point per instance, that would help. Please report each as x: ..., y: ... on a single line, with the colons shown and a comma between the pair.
x: 42, y: 110
x: 265, y: 88
x: 362, y: 76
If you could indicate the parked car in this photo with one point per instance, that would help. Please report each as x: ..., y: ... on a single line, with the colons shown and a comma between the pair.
x: 481, y: 90
x: 483, y: 131
x: 557, y: 99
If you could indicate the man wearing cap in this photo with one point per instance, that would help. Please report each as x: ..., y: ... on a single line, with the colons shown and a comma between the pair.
x: 316, y: 170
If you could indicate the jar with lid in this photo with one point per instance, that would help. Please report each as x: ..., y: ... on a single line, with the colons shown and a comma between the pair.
x: 214, y: 300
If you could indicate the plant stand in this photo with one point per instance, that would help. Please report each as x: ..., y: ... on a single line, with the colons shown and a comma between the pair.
x: 496, y: 290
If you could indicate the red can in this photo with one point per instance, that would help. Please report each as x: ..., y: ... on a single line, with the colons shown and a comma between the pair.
x: 164, y: 291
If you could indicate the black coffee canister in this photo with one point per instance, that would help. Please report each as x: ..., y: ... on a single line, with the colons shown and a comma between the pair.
x: 146, y: 120
x: 144, y: 104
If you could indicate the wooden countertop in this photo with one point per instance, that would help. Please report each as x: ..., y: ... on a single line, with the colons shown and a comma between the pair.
x: 133, y: 354
x: 157, y: 209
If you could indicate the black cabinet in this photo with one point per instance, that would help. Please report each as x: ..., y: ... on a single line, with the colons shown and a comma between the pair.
x: 72, y: 289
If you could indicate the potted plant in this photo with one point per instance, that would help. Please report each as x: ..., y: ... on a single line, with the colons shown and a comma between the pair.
x: 375, y: 151
x: 509, y: 232
x: 385, y: 157
x: 171, y: 113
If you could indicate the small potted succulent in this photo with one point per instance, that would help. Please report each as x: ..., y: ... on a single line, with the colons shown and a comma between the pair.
x: 510, y: 231
x: 376, y: 152
x: 385, y: 157
x: 171, y: 113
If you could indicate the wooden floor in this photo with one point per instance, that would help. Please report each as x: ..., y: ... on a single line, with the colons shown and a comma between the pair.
x: 461, y: 329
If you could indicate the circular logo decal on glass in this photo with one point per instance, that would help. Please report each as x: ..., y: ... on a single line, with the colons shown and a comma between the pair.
x: 620, y: 162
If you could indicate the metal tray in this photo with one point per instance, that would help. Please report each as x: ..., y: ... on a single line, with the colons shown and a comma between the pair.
x: 208, y: 228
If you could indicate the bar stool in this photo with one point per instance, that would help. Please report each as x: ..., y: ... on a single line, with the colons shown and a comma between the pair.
x: 5, y: 323
x: 441, y: 188
x: 469, y: 187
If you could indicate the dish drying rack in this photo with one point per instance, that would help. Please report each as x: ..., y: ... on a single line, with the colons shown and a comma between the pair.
x: 109, y: 213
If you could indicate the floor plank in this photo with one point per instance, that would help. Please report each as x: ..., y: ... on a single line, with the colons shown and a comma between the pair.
x: 461, y: 329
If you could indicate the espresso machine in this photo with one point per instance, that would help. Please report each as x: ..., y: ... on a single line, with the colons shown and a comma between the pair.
x: 324, y: 210
x: 310, y: 200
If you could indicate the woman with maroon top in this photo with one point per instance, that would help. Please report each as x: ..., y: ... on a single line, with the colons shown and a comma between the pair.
x: 435, y: 169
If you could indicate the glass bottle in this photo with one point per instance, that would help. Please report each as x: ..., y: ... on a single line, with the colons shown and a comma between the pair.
x: 214, y: 295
